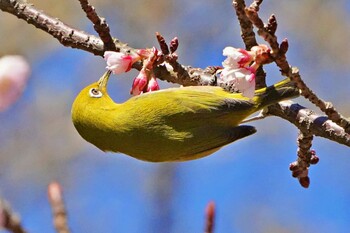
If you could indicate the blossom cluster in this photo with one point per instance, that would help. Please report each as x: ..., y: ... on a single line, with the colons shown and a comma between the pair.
x: 145, y: 81
x: 239, y: 68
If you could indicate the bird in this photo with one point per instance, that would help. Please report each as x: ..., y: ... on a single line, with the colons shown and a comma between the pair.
x: 170, y: 125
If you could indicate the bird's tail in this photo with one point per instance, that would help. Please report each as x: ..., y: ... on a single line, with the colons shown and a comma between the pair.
x: 285, y: 89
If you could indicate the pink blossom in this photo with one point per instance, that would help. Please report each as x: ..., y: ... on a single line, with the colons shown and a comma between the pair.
x: 118, y: 62
x: 242, y: 79
x: 237, y: 72
x: 236, y: 58
x: 14, y: 73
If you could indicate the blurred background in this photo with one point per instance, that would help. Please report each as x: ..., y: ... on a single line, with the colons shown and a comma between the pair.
x: 249, y: 181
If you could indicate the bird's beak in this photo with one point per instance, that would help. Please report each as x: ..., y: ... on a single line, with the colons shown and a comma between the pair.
x: 102, y: 82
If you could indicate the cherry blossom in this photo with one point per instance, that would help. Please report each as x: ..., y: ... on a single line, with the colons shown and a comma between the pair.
x: 239, y: 68
x: 145, y: 81
x: 236, y: 58
x: 14, y: 73
x: 242, y: 79
x: 119, y: 62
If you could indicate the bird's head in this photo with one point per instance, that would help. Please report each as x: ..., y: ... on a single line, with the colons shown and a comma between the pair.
x: 97, y: 90
x: 90, y: 111
x: 93, y: 97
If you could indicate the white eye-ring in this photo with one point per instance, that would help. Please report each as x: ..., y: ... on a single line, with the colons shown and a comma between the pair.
x: 95, y: 93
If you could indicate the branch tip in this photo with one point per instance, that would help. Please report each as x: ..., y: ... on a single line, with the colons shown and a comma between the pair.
x: 162, y: 44
x: 100, y: 25
x: 272, y: 25
x: 304, y: 181
x: 284, y: 46
x: 210, y: 217
x: 59, y: 213
x: 174, y: 44
x: 9, y: 220
x: 256, y: 5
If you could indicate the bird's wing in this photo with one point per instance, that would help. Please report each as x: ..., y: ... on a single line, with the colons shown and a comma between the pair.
x: 207, y: 147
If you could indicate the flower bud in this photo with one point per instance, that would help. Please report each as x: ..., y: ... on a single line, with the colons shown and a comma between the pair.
x: 152, y: 85
x: 139, y: 83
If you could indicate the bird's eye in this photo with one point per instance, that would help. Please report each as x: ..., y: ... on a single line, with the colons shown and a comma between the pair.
x: 95, y: 93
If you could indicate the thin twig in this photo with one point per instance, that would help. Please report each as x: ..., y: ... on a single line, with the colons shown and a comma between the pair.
x: 100, y: 25
x: 59, y: 213
x: 162, y: 44
x: 210, y: 217
x: 9, y: 220
x: 247, y: 32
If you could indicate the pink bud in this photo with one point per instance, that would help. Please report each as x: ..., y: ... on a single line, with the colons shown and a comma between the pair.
x: 118, y: 62
x: 14, y: 73
x: 54, y: 192
x: 145, y: 80
x: 139, y: 83
x: 152, y: 85
x: 261, y: 53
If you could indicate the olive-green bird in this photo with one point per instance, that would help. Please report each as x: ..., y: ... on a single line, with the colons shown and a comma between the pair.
x: 175, y: 124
